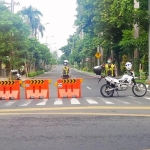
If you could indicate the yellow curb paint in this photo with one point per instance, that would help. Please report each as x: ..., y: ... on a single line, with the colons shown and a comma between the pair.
x: 75, y: 114
x: 79, y: 108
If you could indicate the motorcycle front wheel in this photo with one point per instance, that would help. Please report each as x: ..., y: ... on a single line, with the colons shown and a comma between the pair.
x: 139, y: 89
x: 106, y: 91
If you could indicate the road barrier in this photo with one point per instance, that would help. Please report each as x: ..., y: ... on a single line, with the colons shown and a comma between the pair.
x: 69, y: 88
x: 37, y: 89
x: 10, y: 90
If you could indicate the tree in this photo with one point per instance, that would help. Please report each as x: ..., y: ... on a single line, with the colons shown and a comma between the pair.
x: 32, y: 16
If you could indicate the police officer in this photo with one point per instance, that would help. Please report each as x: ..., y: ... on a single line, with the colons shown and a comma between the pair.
x: 110, y: 68
x: 66, y: 70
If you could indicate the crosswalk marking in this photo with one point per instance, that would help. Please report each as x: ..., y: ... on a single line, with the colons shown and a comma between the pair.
x: 120, y: 101
x: 107, y: 102
x: 42, y: 103
x: 58, y: 102
x: 26, y: 103
x: 148, y: 98
x: 133, y: 99
x: 91, y: 101
x: 74, y: 101
x: 8, y: 104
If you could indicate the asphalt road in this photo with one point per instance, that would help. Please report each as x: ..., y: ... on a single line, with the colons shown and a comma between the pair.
x: 90, y: 96
x: 50, y: 132
x: 90, y: 122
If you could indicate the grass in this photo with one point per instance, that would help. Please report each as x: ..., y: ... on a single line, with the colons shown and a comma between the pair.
x: 140, y: 80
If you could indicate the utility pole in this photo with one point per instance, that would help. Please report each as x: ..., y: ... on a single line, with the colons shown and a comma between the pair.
x: 12, y: 6
x: 149, y: 40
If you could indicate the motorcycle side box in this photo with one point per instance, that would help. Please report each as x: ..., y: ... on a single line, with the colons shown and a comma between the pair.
x: 97, y: 70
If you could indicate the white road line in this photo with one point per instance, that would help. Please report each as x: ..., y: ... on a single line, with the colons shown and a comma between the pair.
x: 91, y: 101
x: 107, y: 102
x: 89, y: 88
x: 134, y: 100
x: 120, y: 101
x: 26, y: 103
x: 42, y: 103
x: 58, y: 102
x: 74, y: 101
x: 148, y: 98
x: 8, y: 104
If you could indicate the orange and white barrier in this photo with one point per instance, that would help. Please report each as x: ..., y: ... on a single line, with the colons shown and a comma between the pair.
x: 69, y: 88
x: 10, y: 90
x: 37, y: 89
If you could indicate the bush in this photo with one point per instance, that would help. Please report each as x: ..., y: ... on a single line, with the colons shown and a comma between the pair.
x: 84, y: 69
x: 32, y: 74
x: 143, y: 75
x: 124, y: 60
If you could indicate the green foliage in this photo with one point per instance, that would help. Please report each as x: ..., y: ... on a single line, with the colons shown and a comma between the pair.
x: 143, y: 75
x: 124, y: 60
x: 84, y: 69
x: 32, y: 74
x: 136, y: 66
x: 144, y: 62
x: 16, y: 47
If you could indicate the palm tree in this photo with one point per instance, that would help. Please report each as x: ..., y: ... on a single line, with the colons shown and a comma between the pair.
x: 32, y: 16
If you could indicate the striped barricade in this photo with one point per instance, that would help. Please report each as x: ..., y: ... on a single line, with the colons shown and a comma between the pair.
x: 37, y: 89
x: 10, y: 90
x: 69, y: 88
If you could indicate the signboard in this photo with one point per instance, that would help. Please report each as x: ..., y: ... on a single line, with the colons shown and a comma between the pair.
x: 98, y: 55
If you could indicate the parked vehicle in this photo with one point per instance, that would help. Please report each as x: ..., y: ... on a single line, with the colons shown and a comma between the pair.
x: 15, y: 75
x: 112, y: 84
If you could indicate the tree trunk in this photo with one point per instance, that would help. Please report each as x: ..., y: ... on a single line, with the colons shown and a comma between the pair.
x: 25, y: 68
x: 136, y: 61
x: 118, y: 62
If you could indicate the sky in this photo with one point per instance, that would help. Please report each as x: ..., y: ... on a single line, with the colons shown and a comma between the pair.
x: 59, y: 17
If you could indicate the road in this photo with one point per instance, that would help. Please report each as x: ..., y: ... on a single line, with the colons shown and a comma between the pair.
x: 89, y: 122
x: 90, y: 95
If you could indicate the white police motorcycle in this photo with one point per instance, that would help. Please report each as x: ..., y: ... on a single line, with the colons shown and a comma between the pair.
x: 112, y: 84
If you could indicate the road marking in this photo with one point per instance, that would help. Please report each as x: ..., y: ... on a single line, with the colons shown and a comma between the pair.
x: 75, y: 114
x: 134, y: 100
x: 89, y: 88
x: 107, y: 102
x: 8, y: 104
x: 42, y: 103
x: 74, y: 101
x: 26, y: 103
x: 77, y: 108
x: 91, y: 101
x: 58, y: 102
x: 148, y: 98
x: 120, y: 101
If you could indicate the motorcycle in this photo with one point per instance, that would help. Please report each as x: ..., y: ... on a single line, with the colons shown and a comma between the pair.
x: 16, y: 75
x: 122, y: 84
x: 65, y: 76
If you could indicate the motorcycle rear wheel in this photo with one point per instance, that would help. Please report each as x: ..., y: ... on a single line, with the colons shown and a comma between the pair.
x: 104, y: 92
